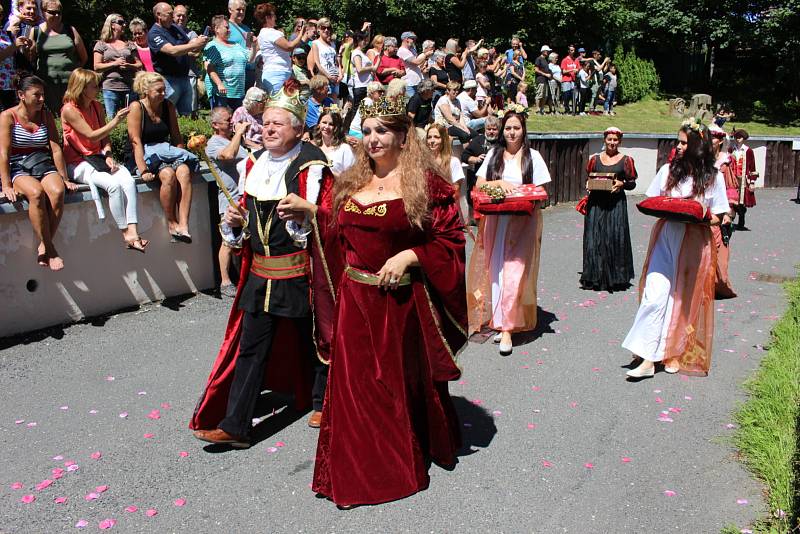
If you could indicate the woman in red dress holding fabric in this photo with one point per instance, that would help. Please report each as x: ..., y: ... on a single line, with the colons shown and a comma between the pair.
x: 400, y: 321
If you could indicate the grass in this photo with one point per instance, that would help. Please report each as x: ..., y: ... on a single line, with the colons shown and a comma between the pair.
x: 646, y: 116
x: 769, y: 421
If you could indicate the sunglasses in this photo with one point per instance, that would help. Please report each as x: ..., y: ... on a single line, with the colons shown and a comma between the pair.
x: 327, y: 28
x: 137, y: 33
x: 52, y: 12
x: 121, y: 22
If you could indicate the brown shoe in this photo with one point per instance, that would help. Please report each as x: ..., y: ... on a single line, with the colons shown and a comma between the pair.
x: 220, y: 436
x: 315, y: 420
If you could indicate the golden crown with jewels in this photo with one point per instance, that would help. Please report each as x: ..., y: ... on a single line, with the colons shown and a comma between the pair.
x: 383, y: 107
x: 290, y: 101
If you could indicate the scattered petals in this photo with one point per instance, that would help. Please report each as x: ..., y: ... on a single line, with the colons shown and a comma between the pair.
x: 626, y: 460
x: 19, y: 421
x: 497, y: 413
x: 142, y: 393
x: 32, y: 424
x: 106, y: 524
x: 531, y: 426
x: 92, y: 496
x: 123, y: 415
x: 165, y: 406
x: 180, y: 502
x: 659, y: 400
x: 183, y: 454
x: 64, y: 408
x: 17, y: 486
x: 82, y: 524
x: 151, y: 512
x: 742, y: 501
x: 44, y: 484
x: 148, y: 436
x: 272, y: 449
x: 101, y: 489
x: 131, y: 509
x: 730, y: 425
x: 60, y: 500
x: 92, y: 412
x: 110, y: 378
x: 96, y: 455
x: 27, y: 499
x: 154, y: 414
x: 669, y: 493
x: 73, y: 467
x: 588, y: 465
x: 280, y: 444
x: 545, y: 463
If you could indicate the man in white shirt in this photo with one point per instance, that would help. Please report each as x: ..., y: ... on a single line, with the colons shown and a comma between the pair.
x: 474, y: 113
x: 413, y: 62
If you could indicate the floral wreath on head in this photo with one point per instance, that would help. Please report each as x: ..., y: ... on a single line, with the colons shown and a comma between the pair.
x: 515, y: 108
x: 694, y: 123
x: 333, y: 108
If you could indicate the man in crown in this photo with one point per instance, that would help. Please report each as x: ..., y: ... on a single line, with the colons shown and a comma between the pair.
x: 279, y: 330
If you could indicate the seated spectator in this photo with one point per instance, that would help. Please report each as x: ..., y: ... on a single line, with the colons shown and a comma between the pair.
x: 320, y: 86
x: 396, y: 90
x: 475, y: 152
x: 375, y: 51
x: 329, y: 136
x: 32, y: 165
x: 441, y: 147
x: 117, y: 61
x: 363, y: 73
x: 157, y: 151
x: 171, y: 48
x: 300, y: 72
x: 252, y: 112
x: 227, y: 154
x: 449, y: 114
x: 10, y: 44
x: 521, y: 97
x: 391, y: 66
x: 374, y: 92
x: 226, y: 63
x: 473, y: 113
x: 322, y: 57
x: 274, y: 48
x: 57, y: 50
x: 139, y: 32
x: 420, y: 106
x: 87, y: 151
x: 554, y: 82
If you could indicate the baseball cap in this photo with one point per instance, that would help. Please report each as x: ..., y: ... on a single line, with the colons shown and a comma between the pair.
x: 408, y: 35
x: 299, y: 52
x: 581, y: 50
x: 546, y: 48
x: 470, y: 84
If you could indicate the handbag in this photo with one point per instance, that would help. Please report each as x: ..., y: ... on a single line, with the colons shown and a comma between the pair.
x: 98, y: 162
x: 675, y: 209
x: 582, y: 206
x: 38, y: 163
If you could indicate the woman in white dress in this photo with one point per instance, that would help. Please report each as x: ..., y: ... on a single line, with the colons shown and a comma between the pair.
x: 322, y: 59
x: 329, y: 136
x: 675, y: 320
x: 504, y: 268
x: 441, y: 146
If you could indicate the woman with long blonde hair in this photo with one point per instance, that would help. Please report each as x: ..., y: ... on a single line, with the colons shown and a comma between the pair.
x: 117, y: 61
x: 401, y: 319
x: 440, y: 144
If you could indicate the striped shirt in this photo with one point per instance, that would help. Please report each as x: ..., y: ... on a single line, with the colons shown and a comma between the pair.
x: 230, y: 63
x: 24, y: 141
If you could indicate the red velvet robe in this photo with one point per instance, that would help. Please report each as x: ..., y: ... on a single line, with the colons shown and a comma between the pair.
x: 287, y: 371
x: 387, y: 409
x: 745, y: 167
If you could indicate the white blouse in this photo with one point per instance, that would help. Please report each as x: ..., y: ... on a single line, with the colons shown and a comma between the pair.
x: 341, y: 158
x: 714, y: 197
x: 512, y: 172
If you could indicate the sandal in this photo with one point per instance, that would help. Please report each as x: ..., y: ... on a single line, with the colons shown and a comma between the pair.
x: 41, y: 259
x: 137, y: 243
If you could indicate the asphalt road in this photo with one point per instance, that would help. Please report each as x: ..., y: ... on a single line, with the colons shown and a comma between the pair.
x: 556, y: 439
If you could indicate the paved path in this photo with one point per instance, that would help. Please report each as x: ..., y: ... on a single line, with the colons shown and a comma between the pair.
x: 548, y: 430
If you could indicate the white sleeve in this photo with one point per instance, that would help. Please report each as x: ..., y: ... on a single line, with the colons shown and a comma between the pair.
x: 348, y: 159
x: 485, y: 165
x: 456, y: 171
x: 541, y: 175
x: 719, y: 198
x: 659, y: 183
x: 313, y: 183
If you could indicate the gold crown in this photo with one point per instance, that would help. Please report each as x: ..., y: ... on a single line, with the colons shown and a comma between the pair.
x: 383, y: 107
x: 289, y: 102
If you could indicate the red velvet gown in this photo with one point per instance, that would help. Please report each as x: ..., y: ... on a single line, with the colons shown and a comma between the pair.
x: 387, y: 409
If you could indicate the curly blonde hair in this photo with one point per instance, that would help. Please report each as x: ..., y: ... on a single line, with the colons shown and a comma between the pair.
x: 144, y: 80
x: 414, y: 163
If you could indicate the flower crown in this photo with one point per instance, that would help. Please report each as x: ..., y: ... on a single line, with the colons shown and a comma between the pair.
x: 516, y: 108
x: 333, y: 108
x: 693, y: 123
x: 383, y: 107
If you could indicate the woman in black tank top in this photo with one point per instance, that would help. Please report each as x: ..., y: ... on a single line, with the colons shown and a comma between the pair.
x: 153, y: 120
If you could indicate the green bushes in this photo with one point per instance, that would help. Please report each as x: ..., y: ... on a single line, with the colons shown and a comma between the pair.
x: 119, y: 136
x: 638, y: 77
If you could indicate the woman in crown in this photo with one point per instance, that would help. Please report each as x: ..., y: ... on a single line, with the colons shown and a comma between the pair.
x: 607, y: 252
x: 504, y: 266
x: 675, y: 320
x: 401, y: 319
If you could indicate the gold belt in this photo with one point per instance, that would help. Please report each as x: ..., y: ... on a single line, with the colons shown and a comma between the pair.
x: 281, y: 267
x: 370, y: 279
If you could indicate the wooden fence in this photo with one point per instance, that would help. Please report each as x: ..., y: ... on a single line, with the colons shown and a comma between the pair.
x: 782, y: 165
x: 566, y: 159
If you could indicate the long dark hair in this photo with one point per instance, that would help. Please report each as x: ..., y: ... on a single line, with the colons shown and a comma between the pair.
x: 338, y: 127
x: 497, y: 163
x: 697, y: 161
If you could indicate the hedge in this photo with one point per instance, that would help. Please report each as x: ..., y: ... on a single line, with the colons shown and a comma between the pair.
x: 119, y: 136
x: 638, y: 77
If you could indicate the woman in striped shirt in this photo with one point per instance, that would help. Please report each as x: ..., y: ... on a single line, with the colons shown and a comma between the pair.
x: 32, y: 165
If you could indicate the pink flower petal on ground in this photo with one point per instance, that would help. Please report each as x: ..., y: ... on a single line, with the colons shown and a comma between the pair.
x: 730, y: 425
x: 659, y: 400
x: 536, y: 388
x: 180, y: 502
x: 588, y: 465
x: 69, y: 463
x: 742, y: 501
x: 132, y: 509
x: 82, y: 524
x: 275, y: 449
x: 280, y: 444
x: 58, y: 458
x: 123, y: 415
x: 477, y: 402
x: 165, y: 405
x: 64, y: 408
x: 92, y: 412
x: 656, y: 391
x: 545, y: 463
x: 56, y: 476
x: 665, y: 419
x: 60, y: 500
x: 595, y: 369
x: 497, y: 413
x: 96, y: 455
x: 73, y: 467
x: 110, y: 378
x: 44, y: 484
x: 92, y: 496
x: 148, y: 436
x: 183, y: 454
x: 151, y: 512
x: 19, y: 421
x: 745, y: 531
x: 675, y: 410
x: 31, y: 425
x: 626, y: 460
x: 57, y: 471
x: 531, y: 426
x: 17, y: 486
x: 27, y: 499
x: 669, y: 493
x: 540, y: 362
x: 573, y: 404
x: 154, y: 414
x: 106, y: 524
x: 101, y: 489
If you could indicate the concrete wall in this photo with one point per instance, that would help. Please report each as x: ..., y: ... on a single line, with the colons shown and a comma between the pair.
x: 100, y: 276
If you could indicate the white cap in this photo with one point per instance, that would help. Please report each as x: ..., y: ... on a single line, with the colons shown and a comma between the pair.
x: 470, y: 84
x: 546, y: 48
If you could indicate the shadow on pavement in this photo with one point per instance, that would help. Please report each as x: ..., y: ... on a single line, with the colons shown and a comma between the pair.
x: 477, y: 426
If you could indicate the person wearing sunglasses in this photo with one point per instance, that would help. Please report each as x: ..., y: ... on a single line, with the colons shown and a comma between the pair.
x: 139, y: 33
x: 117, y: 61
x: 322, y: 58
x: 57, y: 50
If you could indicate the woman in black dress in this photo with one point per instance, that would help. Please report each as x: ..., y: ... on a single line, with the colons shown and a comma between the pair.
x: 607, y: 254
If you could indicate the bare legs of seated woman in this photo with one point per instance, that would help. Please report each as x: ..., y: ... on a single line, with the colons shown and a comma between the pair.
x: 46, y: 206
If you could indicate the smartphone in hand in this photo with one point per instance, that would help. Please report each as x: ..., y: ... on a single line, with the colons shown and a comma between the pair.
x: 207, y: 31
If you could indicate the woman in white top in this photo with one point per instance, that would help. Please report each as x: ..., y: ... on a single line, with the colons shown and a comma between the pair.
x: 274, y: 48
x: 441, y: 146
x: 322, y: 59
x: 675, y: 320
x: 364, y: 70
x: 448, y: 113
x: 329, y: 136
x: 374, y: 92
x: 504, y: 268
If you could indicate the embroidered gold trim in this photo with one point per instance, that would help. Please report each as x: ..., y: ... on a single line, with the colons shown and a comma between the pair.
x: 318, y: 242
x: 378, y: 210
x: 370, y: 279
x: 281, y: 267
x: 436, y: 322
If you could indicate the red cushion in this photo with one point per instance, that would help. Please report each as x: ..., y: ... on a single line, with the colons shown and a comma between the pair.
x: 519, y: 202
x: 675, y: 209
